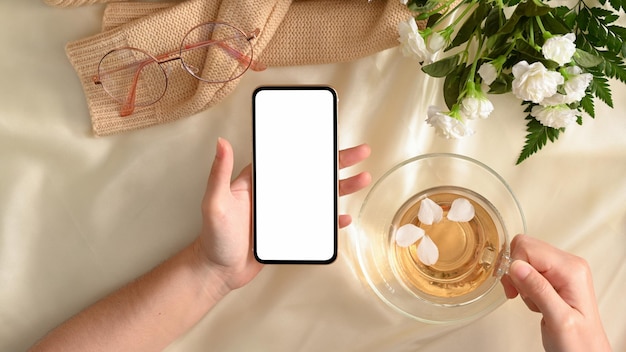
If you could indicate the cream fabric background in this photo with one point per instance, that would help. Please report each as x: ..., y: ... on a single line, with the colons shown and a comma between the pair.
x: 80, y: 216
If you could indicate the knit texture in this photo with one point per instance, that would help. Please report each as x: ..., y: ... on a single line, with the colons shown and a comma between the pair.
x: 120, y: 13
x: 291, y: 33
x: 73, y: 3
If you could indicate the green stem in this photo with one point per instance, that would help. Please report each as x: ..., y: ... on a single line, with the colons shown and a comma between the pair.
x: 472, y: 73
x: 460, y: 17
x: 531, y: 37
x: 469, y: 82
x: 443, y: 6
x: 545, y: 33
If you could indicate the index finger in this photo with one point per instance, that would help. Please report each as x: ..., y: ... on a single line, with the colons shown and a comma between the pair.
x: 354, y: 155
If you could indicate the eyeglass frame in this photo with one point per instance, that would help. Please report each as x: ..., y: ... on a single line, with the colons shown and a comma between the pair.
x: 129, y: 105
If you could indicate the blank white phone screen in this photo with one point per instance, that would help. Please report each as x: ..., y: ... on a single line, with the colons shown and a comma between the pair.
x: 295, y: 174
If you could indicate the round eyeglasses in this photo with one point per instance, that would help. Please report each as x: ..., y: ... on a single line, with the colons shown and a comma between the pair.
x: 213, y: 52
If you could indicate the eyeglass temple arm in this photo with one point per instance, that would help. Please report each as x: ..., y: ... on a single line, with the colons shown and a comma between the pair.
x: 128, y: 107
x: 254, y: 65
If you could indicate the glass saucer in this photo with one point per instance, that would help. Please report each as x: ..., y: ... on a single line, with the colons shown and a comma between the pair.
x: 464, y: 283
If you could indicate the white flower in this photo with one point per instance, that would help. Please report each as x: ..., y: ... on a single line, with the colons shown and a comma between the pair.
x: 404, y: 2
x: 412, y: 43
x: 427, y: 251
x: 534, y: 82
x: 475, y: 106
x: 559, y: 48
x: 577, y: 83
x: 446, y: 125
x: 557, y: 116
x: 488, y: 73
x: 429, y: 212
x: 436, y: 42
x: 574, y: 87
x: 461, y: 210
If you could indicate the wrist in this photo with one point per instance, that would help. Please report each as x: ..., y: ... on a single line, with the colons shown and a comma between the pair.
x: 207, y: 273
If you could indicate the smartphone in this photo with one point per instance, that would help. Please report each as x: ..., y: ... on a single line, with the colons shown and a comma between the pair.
x: 294, y: 174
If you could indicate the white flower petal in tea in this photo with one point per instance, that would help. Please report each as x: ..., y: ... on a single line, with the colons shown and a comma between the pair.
x: 427, y: 251
x: 429, y: 212
x: 408, y: 234
x: 461, y: 210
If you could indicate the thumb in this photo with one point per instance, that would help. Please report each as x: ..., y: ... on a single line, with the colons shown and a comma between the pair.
x: 222, y: 168
x: 533, y: 286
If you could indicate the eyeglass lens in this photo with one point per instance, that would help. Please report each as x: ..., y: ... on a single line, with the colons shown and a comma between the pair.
x: 222, y: 51
x: 132, y: 76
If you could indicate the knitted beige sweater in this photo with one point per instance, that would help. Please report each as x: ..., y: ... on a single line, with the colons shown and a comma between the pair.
x: 294, y: 32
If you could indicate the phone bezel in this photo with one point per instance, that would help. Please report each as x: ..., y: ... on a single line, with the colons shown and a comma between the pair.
x: 335, y: 175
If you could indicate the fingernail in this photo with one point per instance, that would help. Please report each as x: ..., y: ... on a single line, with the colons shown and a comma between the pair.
x: 219, y: 150
x: 519, y: 270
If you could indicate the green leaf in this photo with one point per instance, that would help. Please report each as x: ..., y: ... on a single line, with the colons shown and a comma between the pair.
x: 495, y: 19
x: 614, y: 66
x: 585, y: 59
x: 618, y: 30
x: 555, y: 24
x: 587, y: 104
x: 611, y: 18
x: 523, y: 47
x: 422, y: 5
x: 433, y: 19
x: 616, y: 4
x: 563, y: 12
x: 511, y: 2
x: 470, y: 25
x: 522, y: 12
x: 600, y: 12
x: 525, y: 51
x: 613, y: 43
x: 533, y: 8
x: 511, y: 23
x: 452, y: 85
x: 536, y: 138
x: 502, y: 84
x: 442, y: 67
x: 499, y: 45
x: 600, y: 88
x: 583, y: 19
x: 597, y: 30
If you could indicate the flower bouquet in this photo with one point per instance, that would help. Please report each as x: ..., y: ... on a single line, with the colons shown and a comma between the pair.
x: 556, y: 59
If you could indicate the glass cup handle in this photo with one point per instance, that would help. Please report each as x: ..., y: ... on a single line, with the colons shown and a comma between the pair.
x: 503, y: 264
